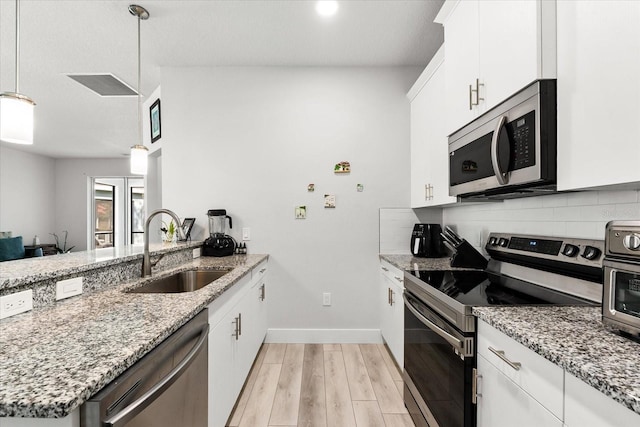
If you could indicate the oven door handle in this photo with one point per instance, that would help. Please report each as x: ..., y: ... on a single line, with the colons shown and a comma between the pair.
x: 127, y: 414
x: 435, y: 328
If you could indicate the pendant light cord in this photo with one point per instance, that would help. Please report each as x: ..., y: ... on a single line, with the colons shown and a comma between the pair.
x: 139, y: 96
x: 17, y: 46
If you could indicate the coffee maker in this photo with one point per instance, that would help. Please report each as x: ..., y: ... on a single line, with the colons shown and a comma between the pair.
x: 218, y: 244
x: 426, y: 241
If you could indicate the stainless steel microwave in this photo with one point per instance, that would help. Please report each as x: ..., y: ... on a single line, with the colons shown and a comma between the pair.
x: 509, y: 151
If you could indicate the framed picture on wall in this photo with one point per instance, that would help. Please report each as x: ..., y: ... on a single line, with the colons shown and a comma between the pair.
x: 155, y: 124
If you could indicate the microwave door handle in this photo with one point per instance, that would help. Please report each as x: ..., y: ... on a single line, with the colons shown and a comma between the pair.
x: 435, y: 328
x: 495, y: 148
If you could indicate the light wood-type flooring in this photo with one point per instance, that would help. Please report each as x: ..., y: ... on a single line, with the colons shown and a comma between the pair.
x: 326, y: 385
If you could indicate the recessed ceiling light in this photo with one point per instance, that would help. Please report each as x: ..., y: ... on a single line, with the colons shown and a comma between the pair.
x: 326, y: 7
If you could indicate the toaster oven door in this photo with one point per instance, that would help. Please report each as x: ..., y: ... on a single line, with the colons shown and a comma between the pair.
x: 621, y: 302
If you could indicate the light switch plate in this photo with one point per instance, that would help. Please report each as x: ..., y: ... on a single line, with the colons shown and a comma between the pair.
x: 68, y: 288
x: 17, y: 303
x: 326, y: 299
x: 196, y: 253
x: 246, y: 234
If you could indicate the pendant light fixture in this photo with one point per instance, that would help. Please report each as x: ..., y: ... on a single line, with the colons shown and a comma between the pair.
x: 139, y: 152
x: 16, y: 109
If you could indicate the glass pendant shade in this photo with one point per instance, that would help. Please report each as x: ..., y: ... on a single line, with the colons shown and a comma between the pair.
x: 16, y: 118
x: 139, y: 155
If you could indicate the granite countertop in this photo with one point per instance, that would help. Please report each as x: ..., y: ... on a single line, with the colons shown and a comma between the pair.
x: 29, y: 270
x: 574, y: 339
x: 409, y: 262
x: 53, y: 359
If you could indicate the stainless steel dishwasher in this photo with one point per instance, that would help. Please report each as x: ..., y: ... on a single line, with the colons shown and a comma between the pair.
x: 166, y: 388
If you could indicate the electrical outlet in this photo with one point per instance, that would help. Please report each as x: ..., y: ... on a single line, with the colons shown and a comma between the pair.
x: 196, y: 253
x: 246, y: 234
x: 326, y: 299
x: 16, y: 303
x: 68, y: 288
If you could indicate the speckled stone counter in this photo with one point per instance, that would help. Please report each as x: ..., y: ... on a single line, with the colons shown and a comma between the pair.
x: 29, y: 270
x: 54, y: 358
x: 574, y: 339
x: 409, y: 262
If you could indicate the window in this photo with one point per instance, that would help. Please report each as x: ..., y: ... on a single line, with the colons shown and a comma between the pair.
x: 104, y: 205
x: 137, y: 215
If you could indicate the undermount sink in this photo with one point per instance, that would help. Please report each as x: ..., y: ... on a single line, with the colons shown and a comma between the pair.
x: 184, y: 281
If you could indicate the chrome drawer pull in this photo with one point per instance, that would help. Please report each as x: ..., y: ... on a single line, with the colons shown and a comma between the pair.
x: 263, y: 270
x: 385, y: 269
x: 500, y: 354
x: 398, y: 279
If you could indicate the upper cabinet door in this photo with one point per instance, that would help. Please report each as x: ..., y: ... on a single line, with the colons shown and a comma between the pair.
x: 461, y: 65
x: 508, y: 34
x: 494, y: 48
x: 598, y: 93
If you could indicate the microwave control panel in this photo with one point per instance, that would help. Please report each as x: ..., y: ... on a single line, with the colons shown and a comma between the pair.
x: 522, y: 133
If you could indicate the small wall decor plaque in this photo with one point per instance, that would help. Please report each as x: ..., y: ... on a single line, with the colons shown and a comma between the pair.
x: 329, y: 201
x: 311, y: 188
x: 360, y: 188
x: 342, y: 167
x: 301, y: 212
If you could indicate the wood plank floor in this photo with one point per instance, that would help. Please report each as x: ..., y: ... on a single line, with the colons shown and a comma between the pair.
x: 322, y: 385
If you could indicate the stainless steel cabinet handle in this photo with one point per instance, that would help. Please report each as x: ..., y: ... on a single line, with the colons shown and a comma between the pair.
x: 127, y: 414
x: 477, y: 91
x: 262, y: 292
x: 474, y: 387
x: 399, y: 279
x: 495, y: 162
x: 389, y: 296
x: 470, y: 97
x: 239, y: 323
x: 500, y: 354
x: 391, y: 301
x: 236, y: 332
x: 385, y: 269
x: 262, y: 270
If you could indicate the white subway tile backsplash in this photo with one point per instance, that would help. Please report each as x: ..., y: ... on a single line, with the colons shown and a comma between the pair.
x: 611, y: 197
x: 579, y: 214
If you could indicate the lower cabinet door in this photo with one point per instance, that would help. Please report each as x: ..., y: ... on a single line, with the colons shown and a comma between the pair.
x: 392, y: 318
x: 501, y: 403
x: 224, y: 383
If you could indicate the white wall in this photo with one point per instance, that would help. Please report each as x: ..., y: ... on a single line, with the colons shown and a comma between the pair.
x: 250, y: 140
x: 581, y: 215
x: 27, y: 194
x: 71, y: 194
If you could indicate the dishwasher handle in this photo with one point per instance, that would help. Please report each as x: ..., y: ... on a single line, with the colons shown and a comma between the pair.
x: 121, y: 418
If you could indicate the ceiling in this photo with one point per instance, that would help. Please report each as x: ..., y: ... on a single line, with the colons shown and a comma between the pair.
x: 96, y: 36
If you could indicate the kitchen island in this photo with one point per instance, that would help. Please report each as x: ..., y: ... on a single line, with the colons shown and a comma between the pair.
x: 55, y: 357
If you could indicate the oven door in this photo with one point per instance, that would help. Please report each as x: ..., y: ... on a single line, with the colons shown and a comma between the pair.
x: 438, y: 368
x: 621, y: 299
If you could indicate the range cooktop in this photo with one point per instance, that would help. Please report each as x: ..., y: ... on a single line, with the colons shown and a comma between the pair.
x: 481, y: 288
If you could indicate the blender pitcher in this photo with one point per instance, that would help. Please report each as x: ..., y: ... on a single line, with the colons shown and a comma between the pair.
x: 217, y: 221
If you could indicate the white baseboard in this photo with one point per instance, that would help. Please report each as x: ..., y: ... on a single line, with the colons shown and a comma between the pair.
x: 324, y: 336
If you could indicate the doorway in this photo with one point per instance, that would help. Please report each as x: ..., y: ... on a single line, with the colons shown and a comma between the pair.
x: 117, y: 210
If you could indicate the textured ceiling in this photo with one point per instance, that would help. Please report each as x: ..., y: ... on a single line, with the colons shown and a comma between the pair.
x: 94, y: 36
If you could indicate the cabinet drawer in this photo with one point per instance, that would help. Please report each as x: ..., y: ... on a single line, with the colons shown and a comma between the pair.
x: 394, y: 274
x: 540, y: 378
x: 259, y: 271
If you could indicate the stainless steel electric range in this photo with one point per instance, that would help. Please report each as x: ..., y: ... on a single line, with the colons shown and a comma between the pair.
x: 440, y: 330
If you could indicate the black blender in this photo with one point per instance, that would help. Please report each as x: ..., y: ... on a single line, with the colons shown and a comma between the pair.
x: 218, y: 244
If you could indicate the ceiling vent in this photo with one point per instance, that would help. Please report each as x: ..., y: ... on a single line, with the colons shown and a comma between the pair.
x: 104, y: 84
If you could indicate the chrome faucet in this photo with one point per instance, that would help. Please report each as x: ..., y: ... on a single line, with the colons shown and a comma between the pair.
x: 146, y: 259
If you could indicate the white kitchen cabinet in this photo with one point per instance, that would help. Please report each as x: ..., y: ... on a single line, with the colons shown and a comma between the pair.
x: 429, y: 144
x: 238, y: 327
x: 392, y: 310
x: 503, y: 403
x: 494, y: 48
x: 534, y: 384
x: 587, y: 407
x: 598, y: 93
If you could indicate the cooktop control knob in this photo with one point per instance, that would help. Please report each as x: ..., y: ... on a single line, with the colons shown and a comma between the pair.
x: 570, y: 250
x: 632, y: 241
x: 493, y: 241
x: 503, y: 242
x: 591, y: 253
